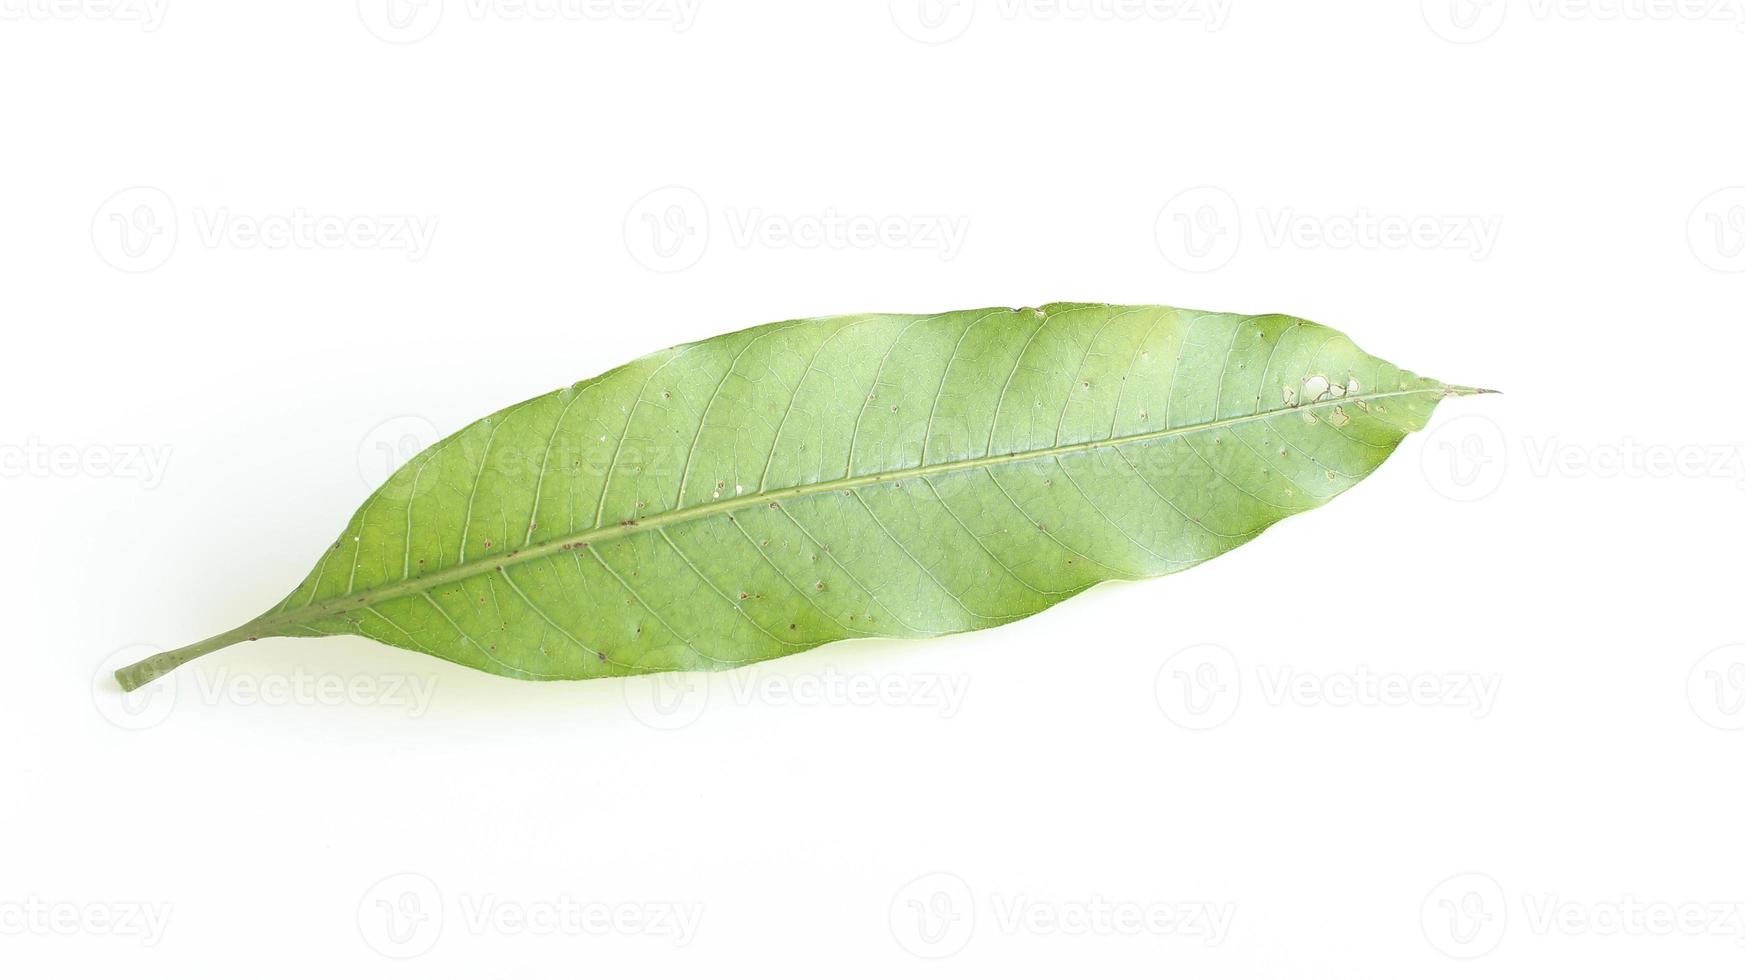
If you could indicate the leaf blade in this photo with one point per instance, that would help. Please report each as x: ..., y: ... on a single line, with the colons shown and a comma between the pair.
x: 740, y: 498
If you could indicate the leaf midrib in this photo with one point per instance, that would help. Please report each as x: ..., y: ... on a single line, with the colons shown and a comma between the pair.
x: 680, y: 515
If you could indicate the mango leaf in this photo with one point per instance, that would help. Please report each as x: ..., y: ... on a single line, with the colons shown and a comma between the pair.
x: 766, y: 491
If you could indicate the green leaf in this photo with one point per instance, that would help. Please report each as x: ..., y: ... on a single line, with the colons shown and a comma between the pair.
x: 762, y: 492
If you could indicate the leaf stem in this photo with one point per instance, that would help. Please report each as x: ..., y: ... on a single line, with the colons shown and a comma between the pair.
x: 135, y: 676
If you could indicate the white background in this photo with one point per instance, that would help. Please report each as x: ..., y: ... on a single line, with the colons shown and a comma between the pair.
x: 196, y: 396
